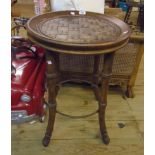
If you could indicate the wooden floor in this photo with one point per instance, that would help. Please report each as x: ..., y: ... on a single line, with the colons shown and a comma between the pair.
x: 81, y: 136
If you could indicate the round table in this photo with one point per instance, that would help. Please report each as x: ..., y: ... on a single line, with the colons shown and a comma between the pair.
x: 78, y: 33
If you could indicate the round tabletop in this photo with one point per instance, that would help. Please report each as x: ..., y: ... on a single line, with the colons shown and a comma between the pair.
x: 74, y: 32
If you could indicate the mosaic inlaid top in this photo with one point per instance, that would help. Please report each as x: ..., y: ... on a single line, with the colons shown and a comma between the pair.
x: 72, y: 28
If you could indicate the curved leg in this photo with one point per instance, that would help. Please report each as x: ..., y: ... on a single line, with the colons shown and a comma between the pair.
x: 52, y: 113
x: 96, y: 77
x: 106, y: 74
x: 129, y: 92
x: 101, y: 116
x: 102, y: 108
x: 52, y: 80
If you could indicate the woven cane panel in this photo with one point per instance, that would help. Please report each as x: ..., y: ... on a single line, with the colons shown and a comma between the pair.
x: 79, y: 29
x: 124, y: 61
x: 125, y: 58
x: 82, y: 64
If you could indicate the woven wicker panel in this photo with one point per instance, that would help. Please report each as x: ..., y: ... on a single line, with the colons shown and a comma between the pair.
x: 124, y: 61
x: 83, y: 64
x: 125, y: 58
x: 79, y: 29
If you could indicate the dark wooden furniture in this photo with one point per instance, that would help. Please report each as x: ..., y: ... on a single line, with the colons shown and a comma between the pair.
x: 73, y: 33
x: 140, y: 6
x: 13, y: 2
x: 112, y: 3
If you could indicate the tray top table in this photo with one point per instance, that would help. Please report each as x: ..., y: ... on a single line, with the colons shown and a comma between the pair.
x: 73, y: 33
x: 78, y: 33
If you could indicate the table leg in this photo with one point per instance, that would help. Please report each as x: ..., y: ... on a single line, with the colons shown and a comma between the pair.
x: 107, y: 70
x: 96, y: 76
x: 52, y: 81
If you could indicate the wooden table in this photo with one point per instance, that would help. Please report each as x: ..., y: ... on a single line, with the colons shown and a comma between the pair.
x: 78, y: 33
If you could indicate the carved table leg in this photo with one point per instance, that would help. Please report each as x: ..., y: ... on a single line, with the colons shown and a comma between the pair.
x: 52, y: 80
x: 96, y: 77
x: 107, y: 70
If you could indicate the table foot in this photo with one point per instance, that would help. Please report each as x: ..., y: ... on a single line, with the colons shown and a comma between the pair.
x: 46, y: 141
x: 51, y: 120
x: 103, y: 129
x: 105, y: 138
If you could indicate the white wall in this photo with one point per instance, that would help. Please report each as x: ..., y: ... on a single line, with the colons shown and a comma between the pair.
x: 87, y: 5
